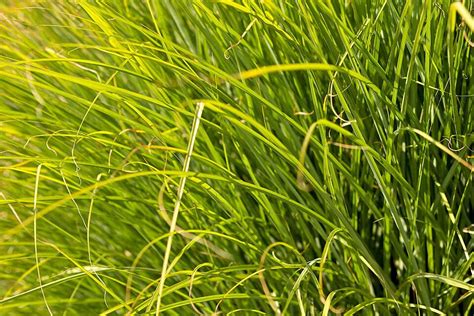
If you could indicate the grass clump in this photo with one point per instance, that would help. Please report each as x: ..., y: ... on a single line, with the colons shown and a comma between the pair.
x: 237, y: 157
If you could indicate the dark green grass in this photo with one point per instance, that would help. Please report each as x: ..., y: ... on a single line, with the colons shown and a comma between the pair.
x: 329, y: 172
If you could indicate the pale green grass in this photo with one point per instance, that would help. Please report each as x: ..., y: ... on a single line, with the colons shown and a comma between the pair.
x: 329, y: 169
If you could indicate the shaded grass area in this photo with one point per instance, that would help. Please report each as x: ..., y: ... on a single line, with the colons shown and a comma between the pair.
x: 329, y: 171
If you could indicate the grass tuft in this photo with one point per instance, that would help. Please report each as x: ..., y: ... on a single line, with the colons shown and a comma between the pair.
x: 331, y: 170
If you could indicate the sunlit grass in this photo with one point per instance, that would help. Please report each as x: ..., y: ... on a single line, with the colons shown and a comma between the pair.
x: 249, y: 157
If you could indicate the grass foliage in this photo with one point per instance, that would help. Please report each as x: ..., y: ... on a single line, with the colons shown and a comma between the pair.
x: 240, y: 157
